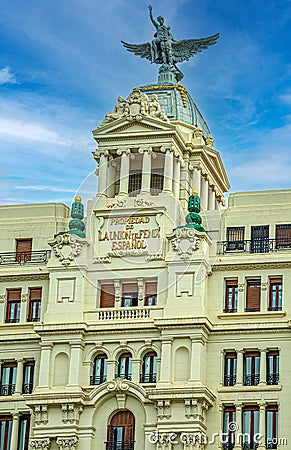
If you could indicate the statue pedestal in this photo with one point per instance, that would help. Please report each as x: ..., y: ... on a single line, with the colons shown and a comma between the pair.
x: 166, y: 77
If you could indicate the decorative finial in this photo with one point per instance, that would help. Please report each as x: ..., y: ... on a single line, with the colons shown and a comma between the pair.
x: 166, y: 51
x: 193, y: 219
x: 77, y: 225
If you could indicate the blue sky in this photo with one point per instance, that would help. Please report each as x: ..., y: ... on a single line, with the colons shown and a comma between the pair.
x: 62, y: 67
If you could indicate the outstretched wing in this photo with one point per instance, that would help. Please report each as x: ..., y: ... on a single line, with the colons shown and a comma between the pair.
x: 142, y: 50
x: 183, y: 50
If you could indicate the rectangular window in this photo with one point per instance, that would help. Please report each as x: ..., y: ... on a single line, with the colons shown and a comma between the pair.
x: 5, y: 432
x: 273, y: 367
x: 251, y: 368
x: 34, y: 306
x: 230, y: 365
x: 8, y: 378
x: 107, y: 296
x: 283, y: 236
x: 150, y: 293
x: 13, y: 305
x: 231, y: 295
x: 134, y: 182
x: 23, y: 250
x: 157, y: 181
x: 129, y: 294
x: 275, y: 294
x: 229, y: 417
x: 260, y: 239
x: 272, y: 426
x: 250, y: 422
x: 28, y: 376
x: 253, y: 298
x: 23, y: 437
x: 235, y: 238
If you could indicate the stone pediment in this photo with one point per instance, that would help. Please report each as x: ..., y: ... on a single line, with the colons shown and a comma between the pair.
x: 216, y: 161
x: 135, y: 114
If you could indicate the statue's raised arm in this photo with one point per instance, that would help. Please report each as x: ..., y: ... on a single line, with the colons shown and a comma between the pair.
x: 166, y: 51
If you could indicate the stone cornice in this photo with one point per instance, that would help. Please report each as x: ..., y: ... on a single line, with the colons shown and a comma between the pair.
x: 251, y: 266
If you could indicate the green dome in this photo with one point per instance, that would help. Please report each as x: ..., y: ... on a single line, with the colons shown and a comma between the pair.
x: 178, y: 104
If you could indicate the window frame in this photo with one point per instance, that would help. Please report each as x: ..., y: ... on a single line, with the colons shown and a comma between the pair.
x: 275, y: 301
x: 13, y: 303
x: 102, y: 370
x: 34, y: 304
x: 250, y: 284
x: 149, y: 376
x: 231, y: 289
x: 127, y: 372
x: 230, y: 370
x: 27, y: 387
x: 237, y: 241
x: 252, y: 378
x: 7, y: 389
x: 6, y: 441
x: 273, y: 367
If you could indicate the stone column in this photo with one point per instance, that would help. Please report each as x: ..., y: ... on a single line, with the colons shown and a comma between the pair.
x: 15, y: 431
x: 135, y: 370
x: 211, y: 199
x: 262, y: 426
x: 222, y: 356
x: 204, y: 193
x: 196, y: 362
x: 240, y: 367
x: 124, y: 171
x: 263, y: 367
x: 45, y: 365
x: 168, y: 171
x: 102, y: 177
x: 76, y: 361
x: 166, y: 357
x: 238, y: 419
x: 111, y: 178
x: 19, y: 377
x: 196, y: 180
x: 111, y: 369
x: 146, y: 170
x: 176, y: 178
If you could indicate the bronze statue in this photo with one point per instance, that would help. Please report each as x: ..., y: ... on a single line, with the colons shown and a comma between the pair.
x: 166, y: 51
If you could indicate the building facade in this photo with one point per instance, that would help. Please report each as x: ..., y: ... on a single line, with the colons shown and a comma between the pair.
x: 161, y: 319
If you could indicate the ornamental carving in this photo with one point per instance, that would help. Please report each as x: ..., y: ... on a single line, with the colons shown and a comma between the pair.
x: 67, y: 443
x: 2, y: 298
x: 137, y: 106
x: 193, y: 441
x: 41, y: 414
x: 163, y: 409
x: 24, y: 297
x: 184, y: 242
x: 40, y: 443
x: 191, y: 408
x: 154, y: 257
x: 67, y: 246
x: 140, y: 202
x: 71, y: 413
x: 119, y: 384
x: 116, y: 204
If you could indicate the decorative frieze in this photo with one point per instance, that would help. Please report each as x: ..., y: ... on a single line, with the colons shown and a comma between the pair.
x: 71, y: 413
x: 67, y: 443
x: 163, y: 409
x: 41, y: 414
x: 40, y: 443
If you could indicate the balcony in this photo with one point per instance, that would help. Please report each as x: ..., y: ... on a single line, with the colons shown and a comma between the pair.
x: 251, y: 380
x: 273, y: 379
x: 119, y: 445
x: 7, y: 389
x: 251, y: 446
x: 124, y: 376
x: 97, y: 379
x: 25, y: 259
x: 148, y: 378
x: 227, y: 446
x: 124, y: 313
x: 27, y: 388
x: 229, y: 380
x: 264, y: 245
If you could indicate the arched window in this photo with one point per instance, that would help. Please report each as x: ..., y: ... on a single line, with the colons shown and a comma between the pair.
x: 99, y: 370
x: 120, y: 435
x: 149, y: 368
x: 125, y: 366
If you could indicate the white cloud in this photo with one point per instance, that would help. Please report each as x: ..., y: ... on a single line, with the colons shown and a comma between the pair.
x: 6, y: 76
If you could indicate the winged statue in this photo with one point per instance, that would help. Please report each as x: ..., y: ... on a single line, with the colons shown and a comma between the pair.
x: 166, y: 51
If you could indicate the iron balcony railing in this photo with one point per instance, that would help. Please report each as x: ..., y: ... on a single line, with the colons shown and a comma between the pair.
x: 250, y: 446
x: 148, y: 378
x: 125, y: 376
x: 251, y: 380
x: 27, y: 388
x: 12, y: 320
x: 24, y: 258
x: 227, y: 446
x: 119, y: 445
x: 33, y: 319
x: 263, y: 245
x: 230, y: 310
x: 229, y: 380
x: 273, y: 378
x: 97, y: 379
x: 271, y: 445
x: 7, y: 389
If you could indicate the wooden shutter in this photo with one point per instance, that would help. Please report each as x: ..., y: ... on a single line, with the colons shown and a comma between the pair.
x: 235, y: 233
x: 23, y: 245
x: 107, y: 296
x: 35, y: 294
x: 253, y: 295
x: 13, y: 295
x: 151, y: 288
x: 128, y: 288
